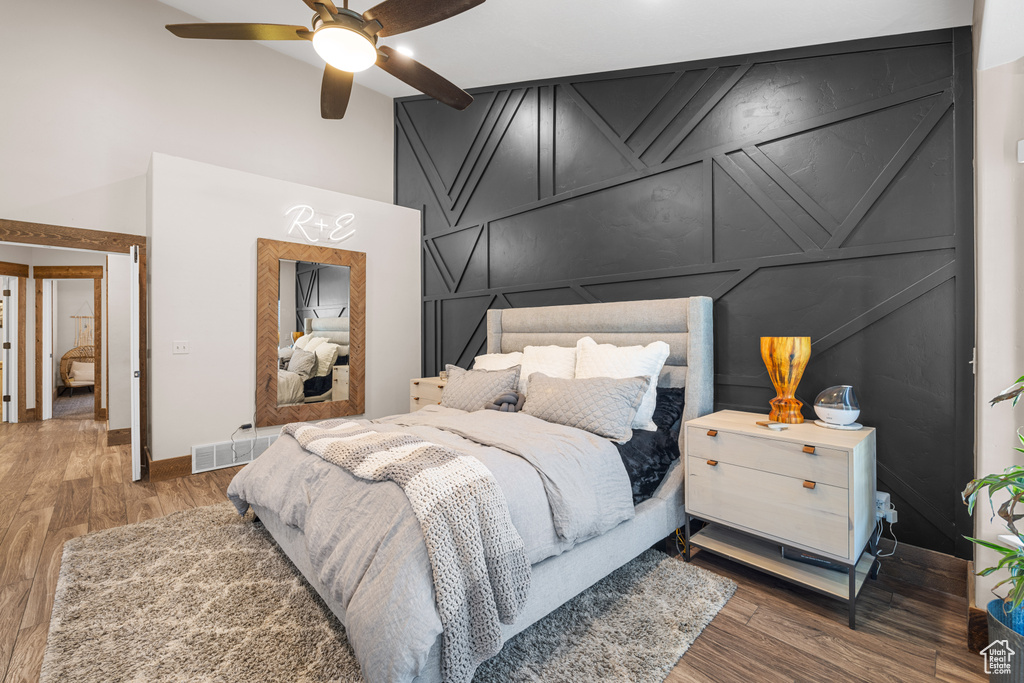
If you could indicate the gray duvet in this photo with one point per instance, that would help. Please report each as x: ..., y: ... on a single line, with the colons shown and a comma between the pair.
x: 562, y: 485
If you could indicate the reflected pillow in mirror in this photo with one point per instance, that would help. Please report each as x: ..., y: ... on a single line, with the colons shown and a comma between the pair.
x: 301, y: 342
x: 315, y: 342
x: 302, y: 363
x: 497, y: 361
x: 326, y: 354
x: 473, y: 389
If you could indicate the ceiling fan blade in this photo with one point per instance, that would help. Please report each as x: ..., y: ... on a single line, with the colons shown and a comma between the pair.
x: 334, y: 92
x: 411, y: 72
x: 239, y: 31
x: 399, y: 16
x: 312, y: 4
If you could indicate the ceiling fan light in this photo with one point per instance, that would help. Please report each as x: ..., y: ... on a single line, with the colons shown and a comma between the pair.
x: 344, y: 48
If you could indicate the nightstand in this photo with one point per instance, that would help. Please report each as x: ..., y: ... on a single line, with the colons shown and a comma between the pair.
x: 807, y: 489
x: 339, y: 383
x: 425, y: 391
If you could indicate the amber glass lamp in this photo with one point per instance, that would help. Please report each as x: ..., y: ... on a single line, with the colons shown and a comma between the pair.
x: 785, y: 358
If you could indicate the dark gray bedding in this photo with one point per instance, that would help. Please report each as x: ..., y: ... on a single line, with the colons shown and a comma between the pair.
x: 562, y: 485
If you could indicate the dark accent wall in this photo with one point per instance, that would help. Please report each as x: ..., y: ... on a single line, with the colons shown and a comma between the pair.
x: 823, y: 191
x: 321, y: 291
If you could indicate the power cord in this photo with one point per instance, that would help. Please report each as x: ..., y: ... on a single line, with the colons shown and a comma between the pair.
x: 881, y: 530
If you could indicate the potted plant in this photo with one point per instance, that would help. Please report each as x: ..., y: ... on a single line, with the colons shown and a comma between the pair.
x: 1005, y: 615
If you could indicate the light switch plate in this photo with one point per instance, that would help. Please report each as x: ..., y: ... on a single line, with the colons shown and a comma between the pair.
x: 180, y: 347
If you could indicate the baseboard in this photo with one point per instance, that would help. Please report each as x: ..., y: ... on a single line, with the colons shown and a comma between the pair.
x: 119, y: 437
x: 925, y: 568
x: 171, y: 468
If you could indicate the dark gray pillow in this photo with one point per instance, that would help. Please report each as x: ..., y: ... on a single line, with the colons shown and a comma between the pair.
x: 473, y: 389
x: 302, y: 363
x: 601, y: 405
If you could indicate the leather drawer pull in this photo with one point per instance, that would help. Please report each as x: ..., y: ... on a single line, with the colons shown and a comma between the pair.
x: 415, y: 384
x: 809, y: 450
x: 712, y: 432
x: 713, y: 463
x: 809, y: 484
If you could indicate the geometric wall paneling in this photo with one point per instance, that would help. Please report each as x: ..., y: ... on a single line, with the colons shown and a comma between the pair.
x: 586, y: 149
x: 774, y: 93
x: 652, y: 222
x: 926, y: 175
x: 623, y: 103
x: 822, y: 191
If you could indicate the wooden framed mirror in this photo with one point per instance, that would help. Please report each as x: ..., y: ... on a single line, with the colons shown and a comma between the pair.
x: 306, y: 293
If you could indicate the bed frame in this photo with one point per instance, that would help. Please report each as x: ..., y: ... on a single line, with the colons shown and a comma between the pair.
x: 336, y: 331
x: 686, y: 325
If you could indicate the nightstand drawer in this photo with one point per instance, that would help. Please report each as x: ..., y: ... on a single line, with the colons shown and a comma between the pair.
x: 770, y: 454
x: 415, y: 403
x: 780, y: 506
x: 428, y: 391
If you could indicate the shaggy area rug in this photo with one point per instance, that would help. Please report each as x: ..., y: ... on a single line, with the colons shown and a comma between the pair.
x: 203, y: 595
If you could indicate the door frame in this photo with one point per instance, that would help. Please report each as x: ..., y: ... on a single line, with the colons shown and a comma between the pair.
x: 41, y: 234
x: 96, y: 274
x: 20, y: 271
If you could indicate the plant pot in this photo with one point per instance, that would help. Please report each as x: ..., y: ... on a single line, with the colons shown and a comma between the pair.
x: 1006, y: 626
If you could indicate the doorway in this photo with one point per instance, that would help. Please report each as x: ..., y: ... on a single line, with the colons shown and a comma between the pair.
x: 132, y: 249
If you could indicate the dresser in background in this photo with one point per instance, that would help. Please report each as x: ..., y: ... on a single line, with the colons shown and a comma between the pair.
x: 808, y: 489
x: 425, y: 391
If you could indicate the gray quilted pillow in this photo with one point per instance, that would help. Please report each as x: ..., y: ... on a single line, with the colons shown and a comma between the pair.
x: 601, y: 405
x: 302, y: 363
x: 473, y: 389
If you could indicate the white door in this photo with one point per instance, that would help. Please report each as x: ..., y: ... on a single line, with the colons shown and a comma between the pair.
x: 10, y: 350
x: 5, y: 353
x: 47, y: 363
x: 133, y: 352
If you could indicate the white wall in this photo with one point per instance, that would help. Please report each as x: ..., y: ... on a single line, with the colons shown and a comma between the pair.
x: 117, y: 337
x: 90, y: 95
x: 204, y: 222
x: 999, y: 123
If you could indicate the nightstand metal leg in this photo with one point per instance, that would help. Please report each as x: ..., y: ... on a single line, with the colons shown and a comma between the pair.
x: 686, y: 537
x: 853, y: 596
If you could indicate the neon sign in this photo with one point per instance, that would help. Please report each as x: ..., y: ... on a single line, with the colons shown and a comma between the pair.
x: 315, y: 227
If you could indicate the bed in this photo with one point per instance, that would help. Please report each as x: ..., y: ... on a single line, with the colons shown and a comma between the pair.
x: 293, y: 388
x: 685, y: 324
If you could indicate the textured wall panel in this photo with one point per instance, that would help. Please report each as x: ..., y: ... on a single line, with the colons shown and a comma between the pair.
x: 823, y: 191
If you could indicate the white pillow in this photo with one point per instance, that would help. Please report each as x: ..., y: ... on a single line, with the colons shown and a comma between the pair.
x: 313, y: 343
x: 82, y: 372
x: 608, y: 360
x: 301, y: 342
x: 553, y: 361
x: 326, y: 354
x: 498, y: 361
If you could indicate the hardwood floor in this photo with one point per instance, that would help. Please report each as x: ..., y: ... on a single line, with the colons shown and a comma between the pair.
x: 59, y: 480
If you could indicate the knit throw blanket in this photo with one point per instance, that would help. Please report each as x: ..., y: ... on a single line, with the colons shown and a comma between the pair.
x: 480, y: 570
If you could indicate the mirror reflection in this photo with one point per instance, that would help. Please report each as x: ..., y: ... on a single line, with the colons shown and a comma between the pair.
x: 313, y: 322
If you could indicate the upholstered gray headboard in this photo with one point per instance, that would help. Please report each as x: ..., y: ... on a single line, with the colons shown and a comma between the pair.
x: 685, y: 324
x: 335, y: 330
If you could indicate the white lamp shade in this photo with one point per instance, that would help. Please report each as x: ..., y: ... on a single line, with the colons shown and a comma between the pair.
x: 344, y: 48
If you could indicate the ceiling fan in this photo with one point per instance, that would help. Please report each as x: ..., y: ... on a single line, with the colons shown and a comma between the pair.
x: 347, y: 41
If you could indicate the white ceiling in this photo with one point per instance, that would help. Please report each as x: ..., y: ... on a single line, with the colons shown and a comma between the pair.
x: 504, y: 41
